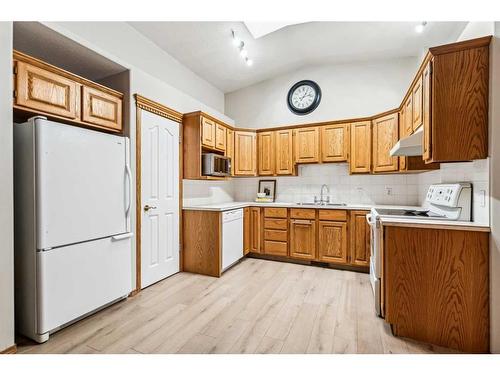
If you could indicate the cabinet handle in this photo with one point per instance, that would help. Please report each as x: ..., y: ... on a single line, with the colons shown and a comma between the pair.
x: 302, y: 221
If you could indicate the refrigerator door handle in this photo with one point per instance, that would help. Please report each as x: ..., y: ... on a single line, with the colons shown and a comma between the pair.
x: 123, y: 236
x: 129, y: 193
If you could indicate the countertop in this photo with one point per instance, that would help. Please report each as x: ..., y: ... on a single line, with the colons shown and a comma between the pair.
x: 234, y: 205
x: 387, y: 221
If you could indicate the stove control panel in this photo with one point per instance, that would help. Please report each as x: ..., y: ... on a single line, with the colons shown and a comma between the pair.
x: 449, y: 195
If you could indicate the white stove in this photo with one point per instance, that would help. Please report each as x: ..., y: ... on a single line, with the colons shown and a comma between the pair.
x: 442, y: 202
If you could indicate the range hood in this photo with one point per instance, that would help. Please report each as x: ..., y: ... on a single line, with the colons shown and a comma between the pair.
x: 409, y: 146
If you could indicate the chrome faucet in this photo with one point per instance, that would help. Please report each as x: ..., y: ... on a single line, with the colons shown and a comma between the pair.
x: 323, y: 200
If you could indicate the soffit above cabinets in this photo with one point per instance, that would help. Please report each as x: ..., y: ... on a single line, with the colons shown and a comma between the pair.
x: 206, y: 47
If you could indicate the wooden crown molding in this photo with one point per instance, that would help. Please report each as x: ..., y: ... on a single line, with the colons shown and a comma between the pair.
x: 460, y: 46
x: 157, y: 108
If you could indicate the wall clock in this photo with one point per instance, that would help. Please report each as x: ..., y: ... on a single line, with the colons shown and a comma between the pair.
x: 304, y: 97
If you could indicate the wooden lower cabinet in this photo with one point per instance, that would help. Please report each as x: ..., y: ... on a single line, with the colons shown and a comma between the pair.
x: 246, y: 230
x: 255, y: 230
x: 332, y: 242
x: 303, y: 239
x: 360, y: 239
x: 436, y: 286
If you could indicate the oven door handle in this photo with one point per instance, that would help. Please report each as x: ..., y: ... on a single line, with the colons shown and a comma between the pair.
x: 369, y: 218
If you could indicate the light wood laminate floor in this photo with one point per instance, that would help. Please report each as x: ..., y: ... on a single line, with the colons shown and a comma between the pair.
x: 258, y: 306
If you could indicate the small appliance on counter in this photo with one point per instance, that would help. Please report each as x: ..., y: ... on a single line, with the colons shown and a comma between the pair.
x: 442, y: 202
x: 263, y: 198
x: 216, y: 165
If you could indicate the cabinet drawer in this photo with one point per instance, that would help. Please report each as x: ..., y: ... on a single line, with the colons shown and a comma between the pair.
x: 303, y: 213
x: 275, y: 248
x: 275, y: 212
x: 102, y: 109
x: 275, y: 224
x: 336, y: 215
x: 275, y: 235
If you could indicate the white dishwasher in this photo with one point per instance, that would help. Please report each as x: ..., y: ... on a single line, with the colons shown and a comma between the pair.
x: 232, y: 237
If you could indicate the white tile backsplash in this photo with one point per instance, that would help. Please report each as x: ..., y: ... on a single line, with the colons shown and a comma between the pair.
x: 405, y: 189
x: 362, y: 189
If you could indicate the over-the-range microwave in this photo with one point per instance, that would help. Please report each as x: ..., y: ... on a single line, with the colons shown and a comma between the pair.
x: 216, y: 165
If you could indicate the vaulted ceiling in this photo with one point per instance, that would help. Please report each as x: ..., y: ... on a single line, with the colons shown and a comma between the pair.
x: 206, y: 47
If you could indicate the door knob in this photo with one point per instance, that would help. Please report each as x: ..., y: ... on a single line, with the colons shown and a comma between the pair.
x: 148, y: 207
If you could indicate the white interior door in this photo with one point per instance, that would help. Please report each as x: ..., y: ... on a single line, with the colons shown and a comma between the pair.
x: 159, y: 197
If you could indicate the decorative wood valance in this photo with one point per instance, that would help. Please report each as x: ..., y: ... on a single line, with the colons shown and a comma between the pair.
x: 157, y: 108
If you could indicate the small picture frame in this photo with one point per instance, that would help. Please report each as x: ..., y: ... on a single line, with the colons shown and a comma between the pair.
x: 268, y: 187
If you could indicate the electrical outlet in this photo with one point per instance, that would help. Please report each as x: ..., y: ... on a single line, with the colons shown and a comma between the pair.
x: 388, y: 191
x: 482, y: 198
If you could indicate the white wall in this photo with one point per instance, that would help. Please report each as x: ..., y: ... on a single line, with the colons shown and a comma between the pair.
x: 348, y: 91
x: 128, y: 45
x: 495, y: 191
x: 6, y: 191
x: 476, y: 30
x: 208, y: 192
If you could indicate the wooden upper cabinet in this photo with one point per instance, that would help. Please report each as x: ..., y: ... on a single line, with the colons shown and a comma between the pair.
x: 417, y: 104
x: 426, y: 113
x: 220, y: 137
x: 332, y: 242
x: 245, y: 153
x: 335, y: 142
x: 303, y: 239
x: 360, y: 239
x: 408, y: 124
x: 361, y: 143
x: 102, y: 109
x: 207, y: 132
x: 459, y: 95
x: 307, y: 145
x: 42, y: 90
x: 255, y: 230
x: 266, y: 158
x: 385, y: 136
x: 284, y: 152
x: 230, y: 148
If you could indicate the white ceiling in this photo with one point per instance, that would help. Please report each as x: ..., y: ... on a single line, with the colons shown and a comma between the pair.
x: 206, y: 47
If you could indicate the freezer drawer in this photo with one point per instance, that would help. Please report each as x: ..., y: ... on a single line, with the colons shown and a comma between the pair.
x: 75, y: 280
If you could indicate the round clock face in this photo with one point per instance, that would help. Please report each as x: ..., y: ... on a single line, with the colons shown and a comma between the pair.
x: 304, y: 97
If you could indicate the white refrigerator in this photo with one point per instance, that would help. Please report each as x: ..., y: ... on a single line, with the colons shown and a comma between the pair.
x: 72, y: 203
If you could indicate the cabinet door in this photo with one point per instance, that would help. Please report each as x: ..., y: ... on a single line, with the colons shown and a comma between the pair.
x: 207, y: 132
x: 284, y: 152
x: 44, y: 91
x: 409, y: 115
x: 255, y: 230
x: 360, y: 239
x: 102, y: 109
x: 245, y: 158
x: 246, y: 230
x: 334, y: 142
x: 426, y: 113
x: 230, y: 148
x: 303, y: 239
x: 402, y: 159
x: 265, y: 147
x: 385, y: 136
x: 220, y: 137
x: 307, y: 145
x: 332, y: 242
x: 417, y: 105
x: 361, y: 143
